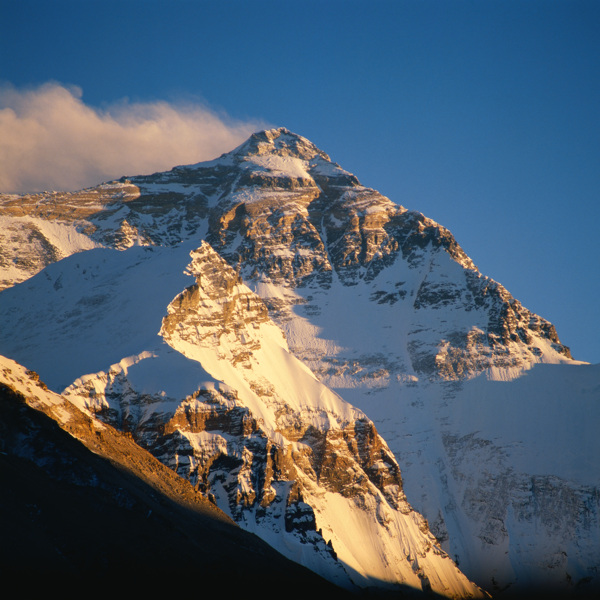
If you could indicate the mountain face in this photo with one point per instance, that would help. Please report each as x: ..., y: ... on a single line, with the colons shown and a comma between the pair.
x: 326, y: 366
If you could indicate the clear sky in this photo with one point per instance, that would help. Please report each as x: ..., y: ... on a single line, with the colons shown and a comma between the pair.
x: 484, y: 115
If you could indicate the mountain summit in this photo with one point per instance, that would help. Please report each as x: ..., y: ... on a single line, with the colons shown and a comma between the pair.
x: 330, y: 368
x: 281, y: 142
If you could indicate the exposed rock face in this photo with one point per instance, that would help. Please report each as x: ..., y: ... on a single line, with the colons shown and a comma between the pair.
x: 380, y: 303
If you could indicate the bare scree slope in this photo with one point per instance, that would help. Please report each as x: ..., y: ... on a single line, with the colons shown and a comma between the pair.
x: 326, y: 366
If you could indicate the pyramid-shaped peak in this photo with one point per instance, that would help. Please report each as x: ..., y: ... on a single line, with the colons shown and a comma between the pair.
x: 282, y: 142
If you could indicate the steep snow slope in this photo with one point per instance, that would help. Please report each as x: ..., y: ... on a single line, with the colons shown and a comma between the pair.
x: 480, y: 402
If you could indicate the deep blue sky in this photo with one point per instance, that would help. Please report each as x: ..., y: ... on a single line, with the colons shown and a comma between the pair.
x: 483, y: 115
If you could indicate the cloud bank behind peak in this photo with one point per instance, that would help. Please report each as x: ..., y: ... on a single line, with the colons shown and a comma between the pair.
x: 51, y: 140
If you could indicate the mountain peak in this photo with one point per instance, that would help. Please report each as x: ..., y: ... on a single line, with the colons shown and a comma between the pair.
x: 279, y: 141
x: 322, y: 316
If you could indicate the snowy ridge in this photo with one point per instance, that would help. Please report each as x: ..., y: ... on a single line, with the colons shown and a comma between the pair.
x: 226, y: 405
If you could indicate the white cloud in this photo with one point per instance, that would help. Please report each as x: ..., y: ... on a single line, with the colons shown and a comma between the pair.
x: 51, y: 140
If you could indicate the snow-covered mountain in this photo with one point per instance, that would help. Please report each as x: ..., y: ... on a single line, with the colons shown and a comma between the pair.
x: 329, y: 367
